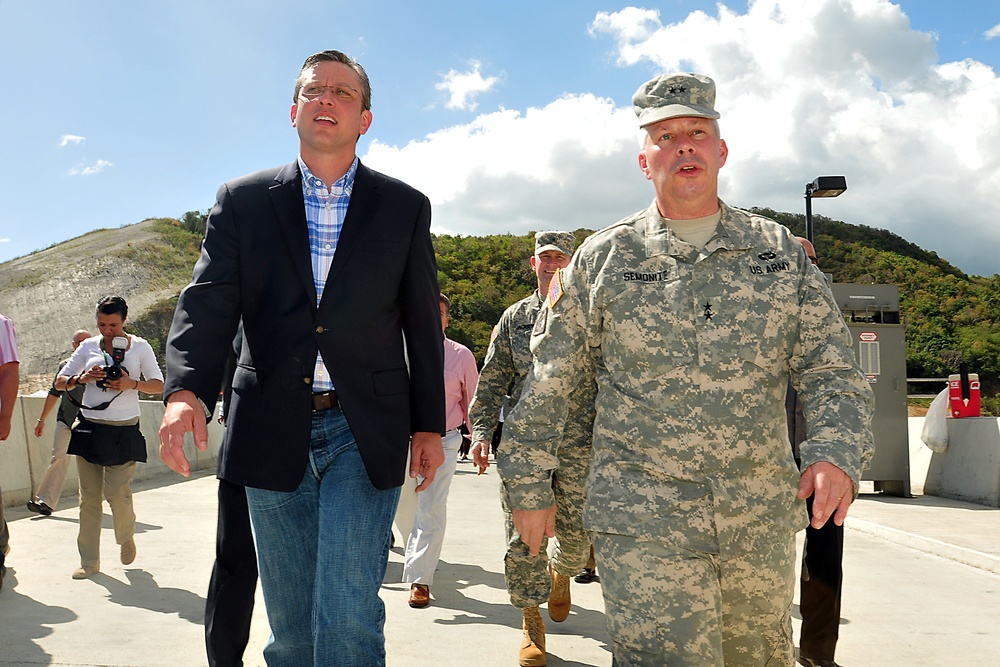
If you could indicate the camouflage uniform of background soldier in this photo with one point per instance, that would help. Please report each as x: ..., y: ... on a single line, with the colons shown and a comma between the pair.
x: 507, y: 362
x: 692, y: 491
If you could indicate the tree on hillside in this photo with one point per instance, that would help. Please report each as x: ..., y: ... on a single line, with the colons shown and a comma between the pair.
x: 153, y: 325
x: 195, y: 222
x: 483, y: 275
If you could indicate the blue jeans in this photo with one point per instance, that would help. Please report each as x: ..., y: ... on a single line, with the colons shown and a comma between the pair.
x: 321, y: 552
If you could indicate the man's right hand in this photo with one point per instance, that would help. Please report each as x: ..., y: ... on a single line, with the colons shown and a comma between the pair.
x: 183, y: 414
x: 481, y: 455
x: 533, y: 525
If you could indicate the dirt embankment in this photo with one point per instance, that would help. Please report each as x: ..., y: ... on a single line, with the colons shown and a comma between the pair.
x: 52, y: 293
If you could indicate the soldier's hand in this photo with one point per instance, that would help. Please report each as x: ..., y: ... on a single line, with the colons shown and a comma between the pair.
x: 832, y: 490
x: 533, y: 525
x: 481, y: 455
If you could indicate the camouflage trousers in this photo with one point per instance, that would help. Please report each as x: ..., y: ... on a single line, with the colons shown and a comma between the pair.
x: 671, y: 606
x: 527, y: 576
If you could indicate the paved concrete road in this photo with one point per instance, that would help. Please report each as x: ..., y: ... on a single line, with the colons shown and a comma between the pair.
x: 922, y: 587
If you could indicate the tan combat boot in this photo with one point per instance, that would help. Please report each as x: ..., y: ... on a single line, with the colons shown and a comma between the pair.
x: 533, y: 646
x: 558, y: 596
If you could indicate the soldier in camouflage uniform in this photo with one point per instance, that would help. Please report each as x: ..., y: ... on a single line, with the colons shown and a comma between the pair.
x: 530, y: 581
x: 692, y: 317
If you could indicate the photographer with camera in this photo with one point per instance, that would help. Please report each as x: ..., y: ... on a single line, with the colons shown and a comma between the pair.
x: 107, y: 441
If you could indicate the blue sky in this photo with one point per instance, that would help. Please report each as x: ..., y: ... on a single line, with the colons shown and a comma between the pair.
x: 511, y: 116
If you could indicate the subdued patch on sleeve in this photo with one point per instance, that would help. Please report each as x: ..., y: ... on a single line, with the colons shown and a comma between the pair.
x: 555, y: 289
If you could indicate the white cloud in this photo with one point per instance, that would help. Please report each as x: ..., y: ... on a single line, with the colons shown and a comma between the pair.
x: 992, y: 32
x: 462, y: 87
x: 67, y: 139
x: 844, y: 87
x: 571, y: 164
x: 805, y: 89
x: 95, y: 168
x: 5, y: 240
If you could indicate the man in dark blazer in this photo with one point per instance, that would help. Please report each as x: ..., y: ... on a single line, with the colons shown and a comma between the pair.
x: 331, y: 268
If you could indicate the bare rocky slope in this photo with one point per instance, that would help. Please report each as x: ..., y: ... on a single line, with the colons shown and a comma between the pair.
x: 51, y: 293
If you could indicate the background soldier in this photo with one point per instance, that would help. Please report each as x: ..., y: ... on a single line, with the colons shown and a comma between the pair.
x: 530, y: 581
x: 46, y: 498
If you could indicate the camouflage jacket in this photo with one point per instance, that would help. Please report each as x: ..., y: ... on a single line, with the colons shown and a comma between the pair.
x: 507, y: 362
x: 692, y: 352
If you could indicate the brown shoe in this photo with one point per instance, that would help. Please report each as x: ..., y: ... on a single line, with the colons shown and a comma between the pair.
x: 558, y: 596
x: 533, y: 645
x: 420, y: 596
x: 128, y: 552
x: 85, y: 572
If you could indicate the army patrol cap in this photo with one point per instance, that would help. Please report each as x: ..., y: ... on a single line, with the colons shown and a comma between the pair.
x: 561, y: 241
x: 675, y: 96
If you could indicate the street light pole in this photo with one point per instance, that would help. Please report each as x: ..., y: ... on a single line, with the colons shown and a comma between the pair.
x: 823, y: 186
x: 809, y: 215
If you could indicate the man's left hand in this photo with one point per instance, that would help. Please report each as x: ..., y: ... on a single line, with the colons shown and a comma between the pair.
x: 832, y: 491
x: 426, y: 456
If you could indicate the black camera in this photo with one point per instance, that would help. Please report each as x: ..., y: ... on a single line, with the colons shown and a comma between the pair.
x: 115, y: 370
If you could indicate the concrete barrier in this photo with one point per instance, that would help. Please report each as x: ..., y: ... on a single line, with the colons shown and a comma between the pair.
x: 24, y: 458
x: 969, y: 470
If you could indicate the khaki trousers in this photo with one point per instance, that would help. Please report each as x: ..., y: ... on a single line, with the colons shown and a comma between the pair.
x: 113, y: 483
x: 51, y: 486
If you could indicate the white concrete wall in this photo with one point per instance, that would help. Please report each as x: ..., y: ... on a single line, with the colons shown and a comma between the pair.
x: 968, y: 470
x: 23, y: 457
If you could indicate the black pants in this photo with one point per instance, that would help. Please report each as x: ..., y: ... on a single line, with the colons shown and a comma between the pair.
x: 495, y: 442
x: 822, y: 576
x: 234, y: 580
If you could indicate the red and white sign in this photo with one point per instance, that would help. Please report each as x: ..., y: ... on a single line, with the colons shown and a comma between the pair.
x: 868, y: 336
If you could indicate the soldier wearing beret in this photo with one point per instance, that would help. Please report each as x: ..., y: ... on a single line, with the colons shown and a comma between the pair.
x: 692, y: 317
x: 531, y: 578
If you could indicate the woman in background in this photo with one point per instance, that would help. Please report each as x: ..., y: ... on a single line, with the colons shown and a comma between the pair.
x: 114, y: 367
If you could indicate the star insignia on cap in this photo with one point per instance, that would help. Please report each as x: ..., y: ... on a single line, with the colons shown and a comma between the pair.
x: 677, y: 89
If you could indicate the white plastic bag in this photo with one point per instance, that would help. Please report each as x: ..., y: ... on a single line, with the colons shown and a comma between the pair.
x: 935, y: 433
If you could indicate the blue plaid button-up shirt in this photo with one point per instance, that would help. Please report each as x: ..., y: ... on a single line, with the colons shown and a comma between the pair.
x: 326, y: 209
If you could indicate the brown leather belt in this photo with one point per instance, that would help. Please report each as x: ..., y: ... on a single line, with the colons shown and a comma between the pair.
x: 325, y: 401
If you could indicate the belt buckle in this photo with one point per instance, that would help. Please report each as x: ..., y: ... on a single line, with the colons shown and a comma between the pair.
x: 322, y: 401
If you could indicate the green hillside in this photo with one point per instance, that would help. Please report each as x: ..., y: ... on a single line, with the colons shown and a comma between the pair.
x: 951, y: 317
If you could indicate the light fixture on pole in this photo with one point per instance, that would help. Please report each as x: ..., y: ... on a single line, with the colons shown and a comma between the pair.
x: 824, y: 186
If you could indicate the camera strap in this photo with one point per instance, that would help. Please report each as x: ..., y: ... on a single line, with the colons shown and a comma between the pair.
x: 106, y: 404
x: 102, y: 406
